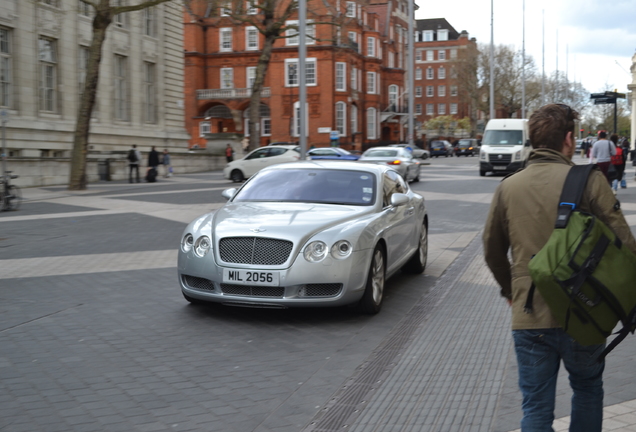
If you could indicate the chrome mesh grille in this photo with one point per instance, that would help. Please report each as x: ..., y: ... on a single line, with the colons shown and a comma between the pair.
x: 500, y: 159
x: 320, y: 290
x: 254, y: 250
x: 198, y: 283
x: 252, y: 291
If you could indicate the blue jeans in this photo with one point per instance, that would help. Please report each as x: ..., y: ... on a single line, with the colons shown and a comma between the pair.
x: 539, y: 354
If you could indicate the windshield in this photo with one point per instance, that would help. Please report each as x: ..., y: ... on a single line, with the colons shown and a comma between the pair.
x: 502, y: 137
x: 465, y: 143
x: 381, y: 153
x: 438, y: 143
x: 310, y: 186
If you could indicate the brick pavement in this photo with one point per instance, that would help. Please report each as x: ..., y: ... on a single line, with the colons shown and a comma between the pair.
x: 84, y: 345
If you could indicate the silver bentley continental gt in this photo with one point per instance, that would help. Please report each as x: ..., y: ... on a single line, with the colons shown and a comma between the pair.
x: 310, y: 233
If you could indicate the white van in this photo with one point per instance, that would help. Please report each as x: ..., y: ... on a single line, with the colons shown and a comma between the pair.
x: 505, y: 146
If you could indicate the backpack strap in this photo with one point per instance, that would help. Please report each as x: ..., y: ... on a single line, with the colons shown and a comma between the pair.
x: 572, y: 193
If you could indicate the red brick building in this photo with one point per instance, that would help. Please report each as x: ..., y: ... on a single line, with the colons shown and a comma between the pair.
x: 355, y: 76
x: 438, y: 89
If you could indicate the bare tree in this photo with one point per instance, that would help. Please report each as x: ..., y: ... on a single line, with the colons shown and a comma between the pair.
x: 104, y: 14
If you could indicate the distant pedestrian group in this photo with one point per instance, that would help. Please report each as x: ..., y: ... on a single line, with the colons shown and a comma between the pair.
x: 154, y: 160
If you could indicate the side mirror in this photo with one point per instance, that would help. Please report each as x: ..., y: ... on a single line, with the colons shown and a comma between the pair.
x: 228, y: 193
x: 527, y: 144
x: 399, y: 199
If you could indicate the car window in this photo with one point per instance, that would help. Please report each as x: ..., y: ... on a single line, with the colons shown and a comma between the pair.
x: 258, y: 154
x: 381, y: 153
x: 310, y: 185
x: 320, y: 152
x: 390, y: 186
x: 276, y: 151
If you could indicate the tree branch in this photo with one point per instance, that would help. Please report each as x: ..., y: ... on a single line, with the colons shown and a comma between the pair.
x: 90, y: 3
x: 144, y: 5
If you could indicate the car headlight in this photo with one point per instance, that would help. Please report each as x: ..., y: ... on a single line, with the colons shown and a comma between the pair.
x: 341, y: 250
x: 316, y: 251
x: 187, y: 242
x: 518, y: 156
x: 202, y: 246
x: 483, y: 155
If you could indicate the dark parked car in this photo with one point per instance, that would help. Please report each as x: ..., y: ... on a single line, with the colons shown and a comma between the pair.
x: 466, y: 147
x: 441, y: 148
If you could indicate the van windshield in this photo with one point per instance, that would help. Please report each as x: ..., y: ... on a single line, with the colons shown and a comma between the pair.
x: 502, y: 137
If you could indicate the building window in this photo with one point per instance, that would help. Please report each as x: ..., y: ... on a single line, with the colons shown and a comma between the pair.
x: 354, y: 119
x: 226, y: 8
x: 227, y: 78
x: 266, y: 121
x: 453, y: 90
x: 453, y: 108
x: 418, y: 74
x: 48, y: 74
x: 5, y: 67
x: 251, y: 36
x: 204, y: 128
x: 250, y: 76
x: 251, y: 8
x: 291, y: 72
x: 341, y: 73
x: 430, y: 109
x: 453, y: 53
x: 225, y: 39
x: 351, y: 9
x: 442, y: 35
x: 441, y: 55
x: 391, y: 59
x: 82, y: 66
x: 429, y: 91
x: 85, y: 9
x: 354, y: 78
x: 393, y: 96
x: 453, y: 72
x: 371, y: 123
x: 441, y: 109
x: 120, y: 20
x: 418, y: 91
x: 341, y: 115
x: 371, y: 82
x: 296, y: 120
x: 121, y: 88
x: 292, y: 33
x: 150, y: 22
x: 418, y: 108
x: 441, y: 91
x: 150, y: 93
x: 418, y: 55
x: 429, y: 73
x: 428, y: 36
x: 370, y: 47
x: 441, y: 73
x: 430, y: 55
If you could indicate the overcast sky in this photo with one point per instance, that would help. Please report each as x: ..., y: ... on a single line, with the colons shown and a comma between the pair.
x: 598, y: 35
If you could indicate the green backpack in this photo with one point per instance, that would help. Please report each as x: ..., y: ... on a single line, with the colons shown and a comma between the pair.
x: 583, y: 273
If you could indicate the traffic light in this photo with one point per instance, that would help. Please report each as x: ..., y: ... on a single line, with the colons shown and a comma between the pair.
x: 582, y: 130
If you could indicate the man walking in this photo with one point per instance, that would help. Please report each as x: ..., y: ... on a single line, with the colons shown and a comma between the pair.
x: 521, y: 219
x: 602, y: 152
x: 133, y: 163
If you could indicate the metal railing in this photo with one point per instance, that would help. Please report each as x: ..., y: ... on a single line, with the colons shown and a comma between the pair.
x: 230, y: 93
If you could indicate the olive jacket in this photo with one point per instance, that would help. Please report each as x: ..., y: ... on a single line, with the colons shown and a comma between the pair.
x: 521, y: 219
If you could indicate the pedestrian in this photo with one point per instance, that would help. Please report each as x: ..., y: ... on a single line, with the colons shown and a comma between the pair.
x: 602, y: 152
x: 153, y: 158
x: 229, y: 153
x: 619, y: 160
x: 167, y: 168
x: 521, y: 219
x: 134, y: 157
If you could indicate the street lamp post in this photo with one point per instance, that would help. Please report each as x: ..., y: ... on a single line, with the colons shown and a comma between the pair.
x: 302, y: 88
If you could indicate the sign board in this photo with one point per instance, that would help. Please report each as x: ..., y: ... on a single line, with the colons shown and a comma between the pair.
x: 324, y: 130
x: 606, y: 100
x: 334, y: 135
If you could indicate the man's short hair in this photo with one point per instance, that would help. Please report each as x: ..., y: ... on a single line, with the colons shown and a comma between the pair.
x: 550, y: 124
x: 602, y: 134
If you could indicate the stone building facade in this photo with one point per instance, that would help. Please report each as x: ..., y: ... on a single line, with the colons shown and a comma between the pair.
x: 356, y: 74
x: 43, y: 53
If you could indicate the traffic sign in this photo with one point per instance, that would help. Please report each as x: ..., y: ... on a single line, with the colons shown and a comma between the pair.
x: 597, y: 95
x: 605, y: 100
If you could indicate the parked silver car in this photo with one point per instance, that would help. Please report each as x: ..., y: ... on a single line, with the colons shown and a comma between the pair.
x: 310, y: 233
x: 398, y: 158
x: 418, y: 153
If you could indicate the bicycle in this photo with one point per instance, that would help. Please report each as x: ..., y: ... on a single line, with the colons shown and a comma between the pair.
x: 10, y: 195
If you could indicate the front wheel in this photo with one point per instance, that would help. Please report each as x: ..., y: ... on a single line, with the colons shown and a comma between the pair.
x: 371, y: 301
x: 417, y: 263
x: 482, y: 173
x: 237, y: 176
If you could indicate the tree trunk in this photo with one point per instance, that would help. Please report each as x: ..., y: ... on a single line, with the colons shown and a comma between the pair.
x: 78, y: 178
x: 255, y: 98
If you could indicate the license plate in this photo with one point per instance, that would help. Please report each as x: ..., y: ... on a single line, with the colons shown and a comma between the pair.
x: 251, y: 277
x: 498, y: 167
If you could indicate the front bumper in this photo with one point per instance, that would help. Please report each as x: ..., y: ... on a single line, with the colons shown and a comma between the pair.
x: 327, y: 283
x: 510, y: 167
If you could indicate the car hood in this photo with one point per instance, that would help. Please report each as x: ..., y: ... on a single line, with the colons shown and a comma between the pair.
x: 290, y: 221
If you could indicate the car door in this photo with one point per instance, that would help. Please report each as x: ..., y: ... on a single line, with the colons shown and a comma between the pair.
x: 398, y: 221
x: 255, y: 161
x: 412, y: 167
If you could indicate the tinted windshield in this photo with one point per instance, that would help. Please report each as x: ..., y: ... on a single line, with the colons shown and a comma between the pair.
x: 465, y: 143
x: 502, y: 137
x: 381, y: 153
x: 312, y: 186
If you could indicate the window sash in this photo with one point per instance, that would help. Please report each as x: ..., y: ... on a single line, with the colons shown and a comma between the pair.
x: 291, y: 72
x: 370, y: 47
x: 354, y: 119
x: 430, y: 109
x: 351, y: 9
x: 341, y: 73
x: 226, y: 39
x: 418, y: 91
x: 371, y: 123
x: 150, y: 101
x: 292, y: 34
x: 418, y: 74
x: 429, y: 73
x: 441, y: 91
x: 429, y: 91
x: 441, y: 73
x: 227, y: 78
x: 441, y: 109
x: 429, y: 55
x: 121, y: 88
x: 453, y: 108
x: 252, y: 38
x: 250, y: 76
x: 371, y: 82
x: 341, y: 115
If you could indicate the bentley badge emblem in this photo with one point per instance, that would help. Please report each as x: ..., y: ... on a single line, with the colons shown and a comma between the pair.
x: 257, y: 230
